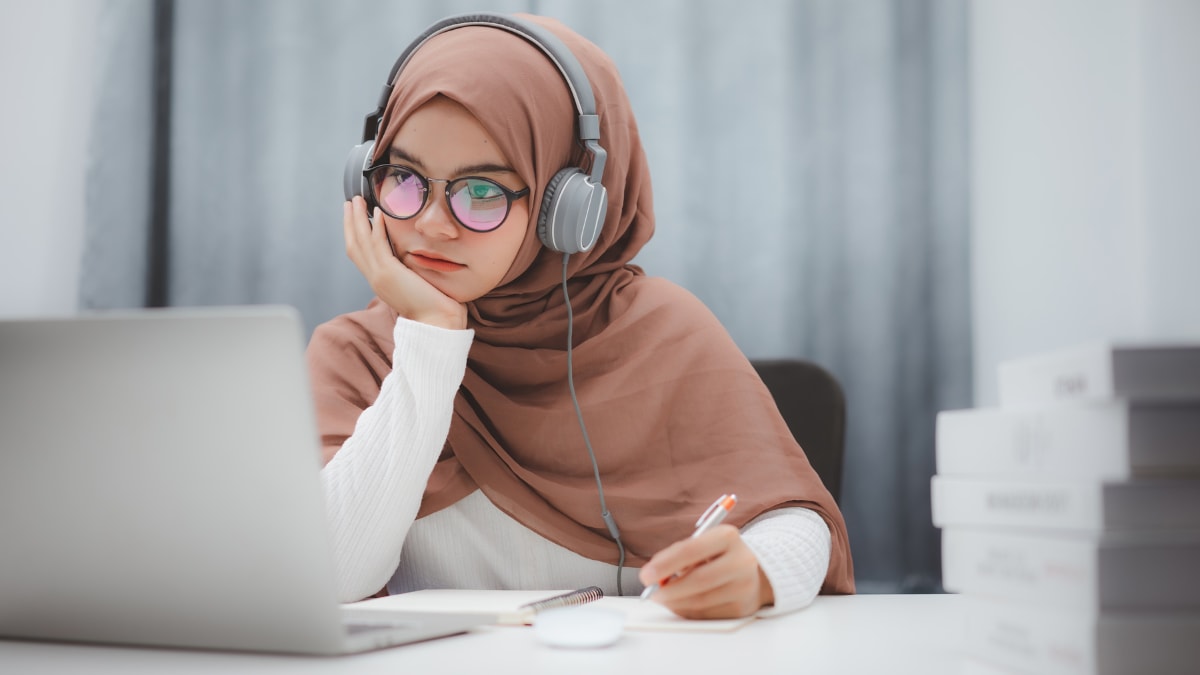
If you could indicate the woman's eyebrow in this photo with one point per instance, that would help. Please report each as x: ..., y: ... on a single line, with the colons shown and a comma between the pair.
x: 396, y: 154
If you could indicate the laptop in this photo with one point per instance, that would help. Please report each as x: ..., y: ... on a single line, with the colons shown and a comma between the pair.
x: 160, y: 485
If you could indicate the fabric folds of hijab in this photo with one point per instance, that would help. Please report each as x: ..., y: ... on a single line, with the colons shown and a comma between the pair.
x: 675, y: 413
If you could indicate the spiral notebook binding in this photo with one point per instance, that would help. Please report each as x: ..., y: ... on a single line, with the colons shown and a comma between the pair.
x: 572, y: 599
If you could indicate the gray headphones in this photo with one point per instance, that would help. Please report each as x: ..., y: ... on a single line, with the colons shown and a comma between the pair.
x: 575, y: 202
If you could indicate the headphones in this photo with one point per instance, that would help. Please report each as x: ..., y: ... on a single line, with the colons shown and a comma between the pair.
x: 574, y: 202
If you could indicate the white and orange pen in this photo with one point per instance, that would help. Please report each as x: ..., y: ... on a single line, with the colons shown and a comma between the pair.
x: 711, y: 518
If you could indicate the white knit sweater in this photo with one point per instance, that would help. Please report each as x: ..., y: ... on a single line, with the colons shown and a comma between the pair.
x: 374, y: 485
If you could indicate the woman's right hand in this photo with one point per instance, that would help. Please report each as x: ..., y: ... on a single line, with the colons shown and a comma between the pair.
x: 401, y: 288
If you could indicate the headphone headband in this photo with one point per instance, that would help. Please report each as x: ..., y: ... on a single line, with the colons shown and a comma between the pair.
x: 554, y: 49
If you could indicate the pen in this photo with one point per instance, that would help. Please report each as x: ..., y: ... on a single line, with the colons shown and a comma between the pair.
x: 710, y: 519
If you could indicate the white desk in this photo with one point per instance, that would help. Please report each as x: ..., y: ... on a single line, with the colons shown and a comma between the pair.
x: 892, y: 634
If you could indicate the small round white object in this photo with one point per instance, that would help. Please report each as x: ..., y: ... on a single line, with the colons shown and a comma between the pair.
x: 579, y: 627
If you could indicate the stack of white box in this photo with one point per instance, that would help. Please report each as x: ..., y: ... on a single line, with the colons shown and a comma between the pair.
x: 1071, y: 512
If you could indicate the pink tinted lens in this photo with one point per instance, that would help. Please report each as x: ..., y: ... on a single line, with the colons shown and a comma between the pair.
x: 478, y: 204
x: 400, y: 192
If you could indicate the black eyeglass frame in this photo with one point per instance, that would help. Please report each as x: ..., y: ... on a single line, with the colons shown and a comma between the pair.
x: 510, y: 196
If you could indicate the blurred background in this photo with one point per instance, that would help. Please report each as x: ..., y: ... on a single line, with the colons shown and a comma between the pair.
x: 910, y: 190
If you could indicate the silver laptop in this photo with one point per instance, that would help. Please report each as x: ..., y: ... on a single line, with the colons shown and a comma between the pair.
x: 159, y: 485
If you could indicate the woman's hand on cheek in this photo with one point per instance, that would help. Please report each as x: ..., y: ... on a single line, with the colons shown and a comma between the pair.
x: 401, y: 288
x: 720, y: 577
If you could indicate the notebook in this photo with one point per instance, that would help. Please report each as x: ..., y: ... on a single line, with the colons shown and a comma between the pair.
x: 508, y: 608
x: 159, y: 485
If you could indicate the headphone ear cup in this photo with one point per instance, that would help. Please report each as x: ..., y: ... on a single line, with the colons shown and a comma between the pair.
x: 545, y: 214
x: 353, y: 180
x: 572, y: 213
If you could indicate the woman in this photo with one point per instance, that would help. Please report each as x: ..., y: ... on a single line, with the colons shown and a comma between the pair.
x: 454, y: 450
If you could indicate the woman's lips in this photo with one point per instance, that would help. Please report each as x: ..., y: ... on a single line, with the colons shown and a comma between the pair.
x: 431, y: 262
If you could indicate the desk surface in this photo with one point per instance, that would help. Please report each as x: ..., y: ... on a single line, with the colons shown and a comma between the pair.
x: 851, y: 634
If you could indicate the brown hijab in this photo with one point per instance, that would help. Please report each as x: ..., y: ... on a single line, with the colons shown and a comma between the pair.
x: 675, y: 413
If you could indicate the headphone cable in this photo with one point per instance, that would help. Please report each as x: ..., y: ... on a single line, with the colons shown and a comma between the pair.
x: 608, y: 519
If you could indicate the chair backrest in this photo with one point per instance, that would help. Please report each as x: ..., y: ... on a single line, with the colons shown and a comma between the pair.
x: 814, y: 407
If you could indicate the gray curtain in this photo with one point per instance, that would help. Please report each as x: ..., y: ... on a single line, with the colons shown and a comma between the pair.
x: 809, y: 164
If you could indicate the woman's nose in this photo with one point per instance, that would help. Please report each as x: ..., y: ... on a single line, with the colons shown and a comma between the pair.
x: 436, y: 219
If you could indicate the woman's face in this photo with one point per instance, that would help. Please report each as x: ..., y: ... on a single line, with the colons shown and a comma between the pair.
x: 441, y: 140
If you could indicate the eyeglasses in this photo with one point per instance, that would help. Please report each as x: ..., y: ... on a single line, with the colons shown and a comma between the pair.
x: 478, y: 204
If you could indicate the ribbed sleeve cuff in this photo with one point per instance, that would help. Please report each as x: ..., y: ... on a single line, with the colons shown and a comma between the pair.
x: 434, y: 359
x: 793, y: 547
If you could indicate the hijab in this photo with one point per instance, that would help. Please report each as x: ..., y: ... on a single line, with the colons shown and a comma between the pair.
x: 675, y: 413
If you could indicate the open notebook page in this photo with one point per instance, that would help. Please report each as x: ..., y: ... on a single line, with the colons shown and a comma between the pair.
x: 505, y: 606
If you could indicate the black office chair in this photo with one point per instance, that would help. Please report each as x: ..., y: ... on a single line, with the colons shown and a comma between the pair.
x: 814, y: 407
